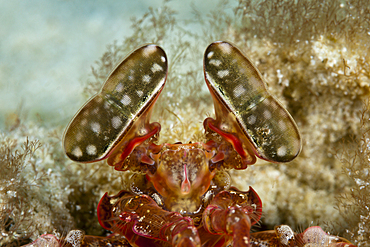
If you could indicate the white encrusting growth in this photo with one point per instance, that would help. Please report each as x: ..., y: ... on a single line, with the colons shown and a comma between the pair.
x: 91, y: 150
x: 285, y: 234
x: 77, y: 152
x: 116, y: 122
x: 156, y: 67
x: 222, y: 73
x: 281, y: 151
x: 126, y: 100
x: 239, y: 90
x: 139, y: 93
x: 95, y: 127
x: 131, y: 78
x: 146, y: 78
x: 215, y: 62
x: 210, y: 54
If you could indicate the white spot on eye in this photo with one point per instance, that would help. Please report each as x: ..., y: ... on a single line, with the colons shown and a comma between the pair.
x: 222, y: 73
x: 225, y: 47
x: 116, y: 122
x: 119, y: 87
x: 91, y: 150
x: 239, y: 90
x: 84, y: 122
x: 209, y: 55
x: 267, y: 114
x: 251, y: 119
x: 79, y: 136
x: 77, y: 152
x: 149, y: 50
x: 139, y: 92
x: 95, y: 127
x: 95, y: 111
x: 163, y: 59
x: 282, y: 124
x: 156, y: 68
x: 146, y: 78
x: 281, y: 151
x: 126, y: 100
x: 215, y: 62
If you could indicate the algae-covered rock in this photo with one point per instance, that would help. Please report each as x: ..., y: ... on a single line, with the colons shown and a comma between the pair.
x: 315, y: 58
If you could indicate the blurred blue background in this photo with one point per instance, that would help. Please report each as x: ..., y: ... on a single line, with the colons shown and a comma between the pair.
x: 47, y: 49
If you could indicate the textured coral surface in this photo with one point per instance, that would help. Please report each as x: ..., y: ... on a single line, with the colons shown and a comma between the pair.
x: 315, y: 58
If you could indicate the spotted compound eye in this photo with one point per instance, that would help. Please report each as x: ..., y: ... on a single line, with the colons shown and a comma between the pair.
x: 238, y: 89
x: 121, y: 109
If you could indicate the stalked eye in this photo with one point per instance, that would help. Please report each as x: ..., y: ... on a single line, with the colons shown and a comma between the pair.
x: 120, y: 112
x: 246, y: 109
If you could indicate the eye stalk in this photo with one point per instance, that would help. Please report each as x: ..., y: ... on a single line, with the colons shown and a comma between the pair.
x: 247, y: 115
x: 116, y: 120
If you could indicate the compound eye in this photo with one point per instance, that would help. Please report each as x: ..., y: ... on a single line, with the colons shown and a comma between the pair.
x: 238, y: 88
x: 123, y: 102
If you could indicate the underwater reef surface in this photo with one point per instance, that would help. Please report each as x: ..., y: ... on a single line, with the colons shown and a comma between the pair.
x: 315, y: 58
